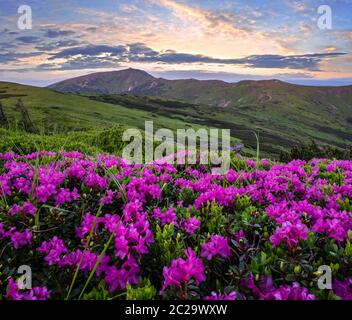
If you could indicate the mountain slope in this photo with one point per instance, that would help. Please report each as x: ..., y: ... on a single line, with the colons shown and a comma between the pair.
x: 64, y: 112
x: 284, y: 114
x: 211, y: 92
x: 105, y: 82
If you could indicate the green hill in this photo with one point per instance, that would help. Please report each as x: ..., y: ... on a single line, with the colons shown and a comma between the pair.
x: 51, y: 112
x: 63, y: 112
x: 283, y: 114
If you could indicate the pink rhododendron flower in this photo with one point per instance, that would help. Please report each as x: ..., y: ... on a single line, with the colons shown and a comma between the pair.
x: 87, y: 225
x: 181, y: 271
x: 290, y: 234
x: 36, y: 293
x: 53, y: 249
x: 217, y: 245
x: 20, y: 239
x: 28, y: 208
x: 267, y: 291
x: 191, y: 225
x: 135, y: 200
x: 66, y: 196
x: 240, y: 235
x: 121, y: 246
x: 118, y: 278
x: 169, y: 216
x: 226, y: 296
x: 343, y: 289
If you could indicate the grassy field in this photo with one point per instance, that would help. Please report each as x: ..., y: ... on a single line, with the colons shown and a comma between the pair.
x: 58, y: 112
x: 280, y: 125
x: 282, y: 117
x: 284, y: 114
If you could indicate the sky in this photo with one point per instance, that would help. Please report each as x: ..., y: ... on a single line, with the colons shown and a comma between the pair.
x: 230, y: 40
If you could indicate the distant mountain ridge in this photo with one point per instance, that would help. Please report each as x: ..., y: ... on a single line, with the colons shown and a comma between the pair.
x: 137, y: 81
x: 113, y: 82
x: 210, y: 92
x: 283, y: 113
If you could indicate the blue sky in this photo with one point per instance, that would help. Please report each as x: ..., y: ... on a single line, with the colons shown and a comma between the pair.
x: 231, y: 40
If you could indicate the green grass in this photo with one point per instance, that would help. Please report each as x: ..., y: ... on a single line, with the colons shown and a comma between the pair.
x: 89, y: 142
x: 283, y: 115
x: 57, y: 112
x: 280, y: 127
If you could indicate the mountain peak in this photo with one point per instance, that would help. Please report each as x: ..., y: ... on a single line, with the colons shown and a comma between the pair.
x: 114, y: 82
x: 267, y: 81
x: 215, y: 92
x: 133, y: 71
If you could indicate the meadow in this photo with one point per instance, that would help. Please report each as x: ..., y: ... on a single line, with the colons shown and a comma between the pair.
x: 92, y: 226
x: 293, y: 116
x: 97, y: 227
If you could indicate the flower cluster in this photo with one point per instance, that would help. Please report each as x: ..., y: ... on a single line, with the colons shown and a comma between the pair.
x: 183, y: 270
x: 290, y: 234
x: 267, y: 290
x: 36, y: 293
x: 18, y: 239
x: 217, y: 245
x: 100, y: 222
x: 216, y: 296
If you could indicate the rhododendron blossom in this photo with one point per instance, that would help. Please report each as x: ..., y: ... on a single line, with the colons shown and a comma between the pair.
x: 267, y: 291
x: 36, y: 293
x: 289, y: 233
x: 217, y: 245
x: 216, y: 296
x: 183, y: 270
x: 191, y: 225
x: 111, y: 228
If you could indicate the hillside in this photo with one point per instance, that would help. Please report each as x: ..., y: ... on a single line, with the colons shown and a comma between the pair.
x: 64, y: 112
x: 283, y: 113
x: 212, y: 92
x: 105, y: 82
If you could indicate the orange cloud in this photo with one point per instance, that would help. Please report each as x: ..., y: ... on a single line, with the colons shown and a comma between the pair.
x: 222, y: 22
x: 219, y: 35
x: 330, y: 49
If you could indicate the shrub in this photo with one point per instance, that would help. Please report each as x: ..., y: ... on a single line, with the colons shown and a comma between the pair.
x: 100, y: 228
x: 313, y: 150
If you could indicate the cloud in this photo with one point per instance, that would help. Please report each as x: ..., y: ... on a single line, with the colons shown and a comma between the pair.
x: 44, y: 39
x: 78, y: 64
x: 212, y: 20
x: 305, y: 28
x: 330, y: 49
x: 9, y: 32
x: 11, y: 57
x: 15, y: 49
x: 92, y: 29
x: 52, y: 33
x: 80, y: 57
x: 90, y: 50
x: 5, y: 46
x: 225, y: 76
x: 57, y: 44
x: 298, y: 6
x: 306, y: 61
x: 28, y: 39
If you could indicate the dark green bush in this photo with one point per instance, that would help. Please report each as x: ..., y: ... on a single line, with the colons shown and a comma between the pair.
x: 313, y: 150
